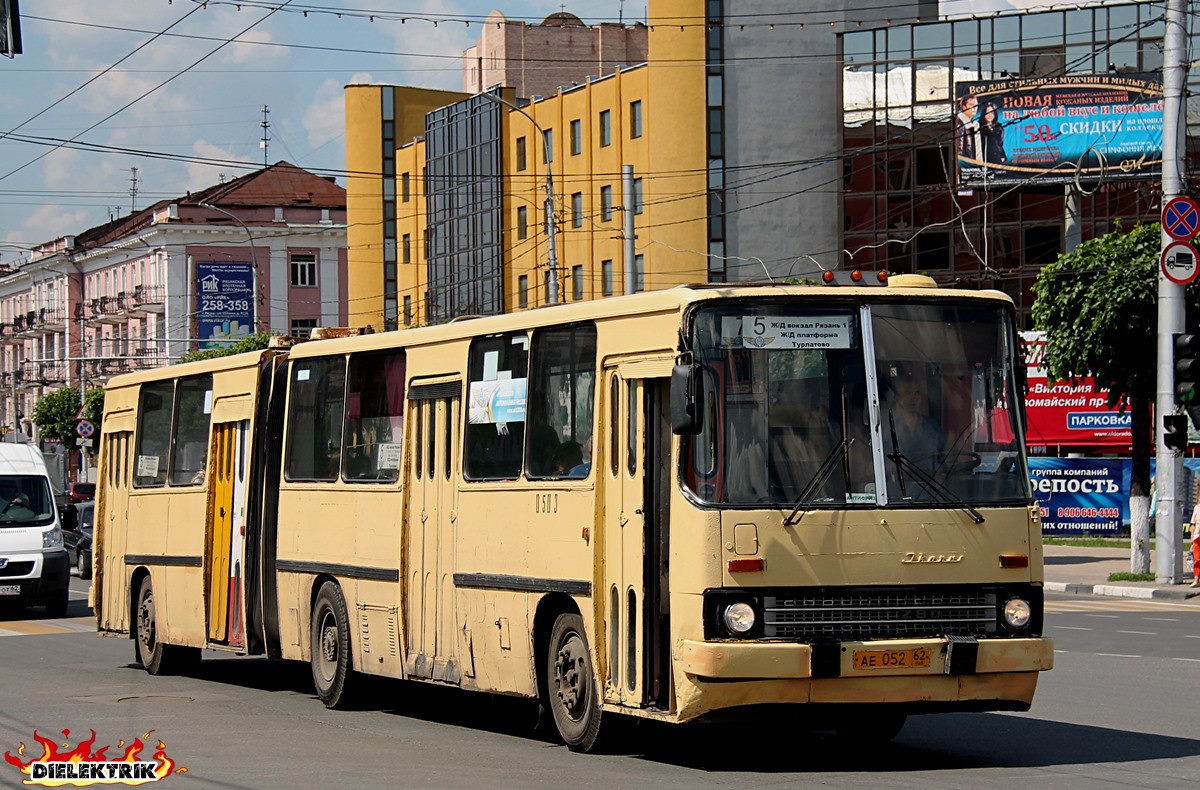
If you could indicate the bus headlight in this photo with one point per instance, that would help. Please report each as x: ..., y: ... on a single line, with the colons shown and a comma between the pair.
x: 52, y: 538
x: 1017, y: 613
x: 738, y: 617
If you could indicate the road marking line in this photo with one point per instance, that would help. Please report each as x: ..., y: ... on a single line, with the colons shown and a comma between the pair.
x: 1197, y: 660
x: 1117, y: 655
x: 1163, y: 619
x: 1139, y: 633
x: 1109, y: 616
x: 1072, y: 628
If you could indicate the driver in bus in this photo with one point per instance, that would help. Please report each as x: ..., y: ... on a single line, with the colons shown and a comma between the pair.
x: 918, y: 437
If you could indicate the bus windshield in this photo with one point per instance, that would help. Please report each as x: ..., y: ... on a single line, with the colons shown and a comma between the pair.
x: 856, y: 405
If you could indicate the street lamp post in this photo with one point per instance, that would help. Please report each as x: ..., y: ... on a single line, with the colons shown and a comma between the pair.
x: 551, y: 239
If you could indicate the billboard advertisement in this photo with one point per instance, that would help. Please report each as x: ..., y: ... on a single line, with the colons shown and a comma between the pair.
x: 1069, y: 413
x: 1082, y: 496
x: 1055, y: 130
x: 224, y: 303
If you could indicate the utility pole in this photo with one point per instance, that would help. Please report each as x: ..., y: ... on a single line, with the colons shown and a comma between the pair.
x: 1171, y: 319
x: 265, y: 124
x: 629, y: 252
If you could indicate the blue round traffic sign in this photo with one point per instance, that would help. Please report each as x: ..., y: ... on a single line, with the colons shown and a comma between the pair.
x: 1181, y: 218
x: 85, y: 429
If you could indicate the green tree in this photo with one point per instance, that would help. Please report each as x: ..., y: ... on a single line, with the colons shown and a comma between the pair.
x: 1098, y: 306
x: 256, y: 342
x: 54, y: 414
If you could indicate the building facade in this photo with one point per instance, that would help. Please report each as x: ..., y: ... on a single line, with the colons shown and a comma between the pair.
x: 901, y: 207
x: 536, y: 60
x: 265, y: 252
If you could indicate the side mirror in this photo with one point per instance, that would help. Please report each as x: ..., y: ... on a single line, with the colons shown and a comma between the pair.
x: 685, y: 417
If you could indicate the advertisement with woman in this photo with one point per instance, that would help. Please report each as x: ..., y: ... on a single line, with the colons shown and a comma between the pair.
x: 1088, y: 127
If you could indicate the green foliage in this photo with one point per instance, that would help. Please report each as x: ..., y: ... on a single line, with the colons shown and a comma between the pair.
x: 1126, y: 576
x: 256, y: 342
x: 1098, y: 306
x: 54, y: 414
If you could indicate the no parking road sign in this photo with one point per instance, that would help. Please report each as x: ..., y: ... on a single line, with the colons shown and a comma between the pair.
x: 85, y: 429
x: 1178, y: 262
x: 1181, y: 218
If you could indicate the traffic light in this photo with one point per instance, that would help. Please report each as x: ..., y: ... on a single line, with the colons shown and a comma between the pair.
x: 1175, y: 431
x: 1187, y: 368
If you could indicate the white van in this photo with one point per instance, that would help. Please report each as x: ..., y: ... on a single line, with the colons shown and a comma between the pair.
x: 34, y: 569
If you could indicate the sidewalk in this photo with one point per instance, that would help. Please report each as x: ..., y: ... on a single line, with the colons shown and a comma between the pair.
x: 1085, y: 571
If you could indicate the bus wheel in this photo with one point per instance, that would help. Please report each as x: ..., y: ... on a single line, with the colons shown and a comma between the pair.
x: 156, y: 656
x: 572, y: 684
x: 330, y: 648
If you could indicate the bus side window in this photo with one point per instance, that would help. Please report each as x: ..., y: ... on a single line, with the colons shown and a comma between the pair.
x: 193, y: 407
x: 497, y: 372
x: 315, y: 419
x: 154, y: 431
x: 374, y: 417
x: 562, y: 398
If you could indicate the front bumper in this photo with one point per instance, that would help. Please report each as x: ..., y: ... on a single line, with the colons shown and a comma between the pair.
x: 46, y: 582
x: 729, y: 660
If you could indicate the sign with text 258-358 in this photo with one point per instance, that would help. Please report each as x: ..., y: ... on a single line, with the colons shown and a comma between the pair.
x: 224, y: 303
x: 1056, y: 130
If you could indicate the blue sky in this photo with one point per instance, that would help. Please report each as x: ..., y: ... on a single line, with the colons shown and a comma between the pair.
x: 92, y: 69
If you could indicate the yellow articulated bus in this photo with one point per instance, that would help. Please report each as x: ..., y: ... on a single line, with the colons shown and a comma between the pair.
x: 710, y: 501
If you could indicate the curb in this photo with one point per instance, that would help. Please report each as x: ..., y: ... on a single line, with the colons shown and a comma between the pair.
x: 1118, y: 591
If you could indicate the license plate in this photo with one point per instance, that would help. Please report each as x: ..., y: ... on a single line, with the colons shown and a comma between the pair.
x: 891, y: 659
x: 10, y: 589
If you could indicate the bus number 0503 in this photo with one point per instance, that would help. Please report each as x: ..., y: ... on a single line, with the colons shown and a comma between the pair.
x: 545, y: 503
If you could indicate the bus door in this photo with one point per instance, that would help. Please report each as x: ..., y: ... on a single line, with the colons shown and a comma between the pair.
x: 431, y: 636
x: 228, y: 466
x: 110, y: 525
x: 634, y: 538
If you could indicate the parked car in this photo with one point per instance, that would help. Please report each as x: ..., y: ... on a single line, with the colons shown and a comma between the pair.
x: 81, y: 492
x: 77, y: 536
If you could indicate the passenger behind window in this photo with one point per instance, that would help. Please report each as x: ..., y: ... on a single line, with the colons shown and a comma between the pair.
x: 568, y: 460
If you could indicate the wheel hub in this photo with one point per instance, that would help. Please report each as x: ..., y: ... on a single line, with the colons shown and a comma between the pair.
x: 568, y: 673
x: 329, y: 643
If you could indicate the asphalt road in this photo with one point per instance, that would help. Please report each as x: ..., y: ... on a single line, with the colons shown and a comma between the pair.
x: 1119, y: 710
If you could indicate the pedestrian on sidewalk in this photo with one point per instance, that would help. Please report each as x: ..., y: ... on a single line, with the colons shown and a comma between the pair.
x: 1196, y: 545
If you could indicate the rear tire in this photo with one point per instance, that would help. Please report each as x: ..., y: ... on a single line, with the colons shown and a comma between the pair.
x: 157, y: 657
x: 572, y: 695
x: 333, y: 674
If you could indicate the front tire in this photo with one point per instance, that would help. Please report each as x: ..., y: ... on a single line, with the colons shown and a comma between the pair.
x: 330, y: 648
x: 156, y: 656
x: 571, y: 681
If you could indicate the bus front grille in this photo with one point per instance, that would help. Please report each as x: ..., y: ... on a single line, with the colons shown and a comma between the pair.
x: 856, y: 615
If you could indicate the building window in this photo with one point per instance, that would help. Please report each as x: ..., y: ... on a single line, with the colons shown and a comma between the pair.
x: 406, y: 248
x: 577, y: 283
x: 523, y: 291
x: 406, y: 187
x: 522, y: 222
x: 304, y: 271
x: 637, y: 196
x: 548, y: 145
x: 606, y: 204
x: 303, y: 327
x: 605, y: 128
x: 577, y: 210
x: 606, y: 275
x: 521, y: 153
x: 576, y: 137
x: 639, y: 273
x: 635, y: 119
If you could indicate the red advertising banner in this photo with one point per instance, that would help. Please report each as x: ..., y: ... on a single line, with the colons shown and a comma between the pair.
x: 1061, y: 413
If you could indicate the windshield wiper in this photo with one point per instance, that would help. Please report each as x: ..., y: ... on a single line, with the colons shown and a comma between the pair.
x: 801, y: 505
x: 936, y: 489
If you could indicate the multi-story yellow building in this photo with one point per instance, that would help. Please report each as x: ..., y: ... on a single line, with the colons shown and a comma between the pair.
x: 447, y: 193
